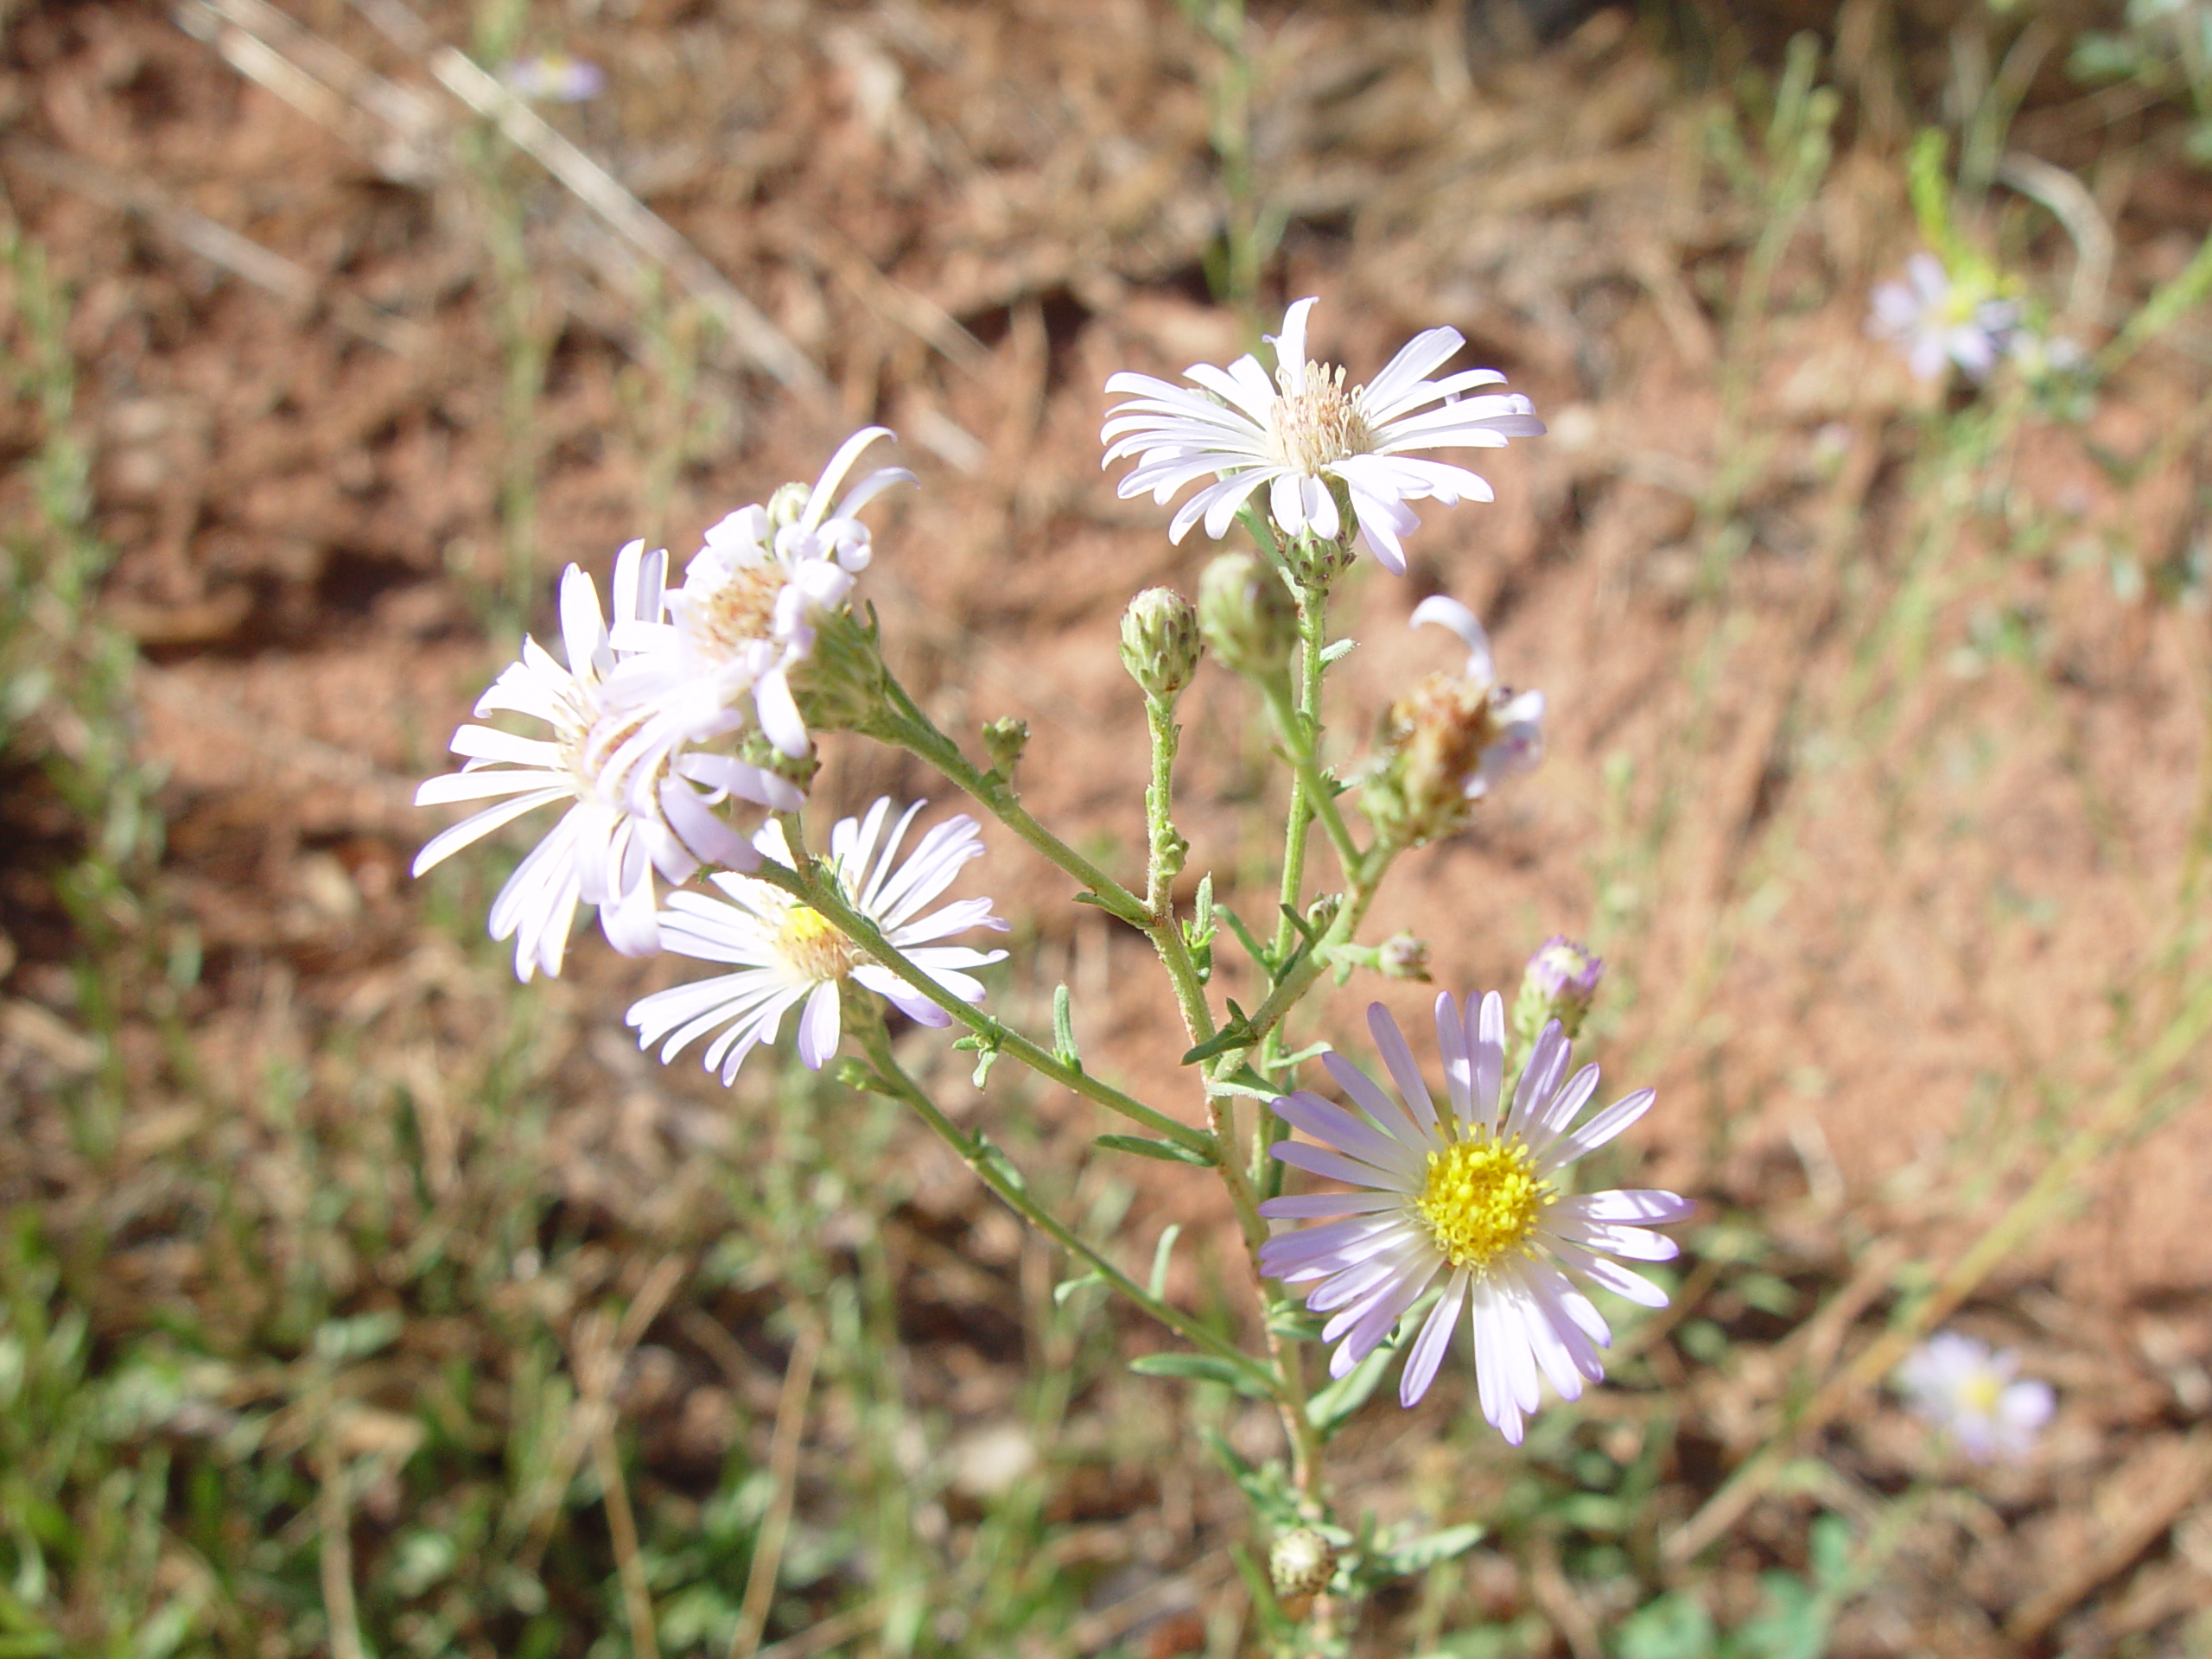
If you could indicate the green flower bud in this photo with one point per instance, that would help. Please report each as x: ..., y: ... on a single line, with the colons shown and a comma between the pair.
x: 788, y: 503
x: 1160, y: 642
x: 1003, y: 741
x: 1247, y: 614
x: 1301, y: 1564
x: 1560, y: 983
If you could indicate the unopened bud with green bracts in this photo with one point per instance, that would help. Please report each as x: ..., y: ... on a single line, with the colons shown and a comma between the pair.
x: 1160, y: 642
x: 1004, y: 741
x: 1247, y: 616
x: 1301, y: 1564
x: 1560, y: 983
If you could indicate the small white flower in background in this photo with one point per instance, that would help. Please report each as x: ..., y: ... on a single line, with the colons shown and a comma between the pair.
x: 1975, y: 1394
x: 1937, y: 320
x: 789, y: 954
x: 744, y: 616
x: 1301, y: 429
x: 1473, y: 1201
x: 555, y: 78
x: 631, y: 810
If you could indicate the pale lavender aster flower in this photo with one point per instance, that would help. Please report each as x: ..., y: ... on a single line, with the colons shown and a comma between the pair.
x: 555, y: 78
x: 789, y: 955
x: 633, y: 809
x: 1975, y: 1395
x: 1470, y: 1201
x: 1301, y: 429
x: 744, y: 616
x: 1937, y: 320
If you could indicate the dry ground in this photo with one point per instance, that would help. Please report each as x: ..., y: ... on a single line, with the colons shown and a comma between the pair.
x: 1880, y: 778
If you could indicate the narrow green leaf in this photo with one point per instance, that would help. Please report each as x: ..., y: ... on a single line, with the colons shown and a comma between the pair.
x: 1064, y: 1049
x: 1068, y: 1287
x: 1331, y: 1405
x: 1332, y: 655
x: 1442, y: 1545
x: 1198, y: 1368
x: 1158, y: 1283
x: 1167, y: 1152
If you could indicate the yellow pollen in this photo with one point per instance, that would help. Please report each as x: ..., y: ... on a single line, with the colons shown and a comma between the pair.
x: 1980, y: 1392
x: 1316, y: 421
x: 744, y: 607
x: 1483, y: 1199
x: 814, y: 947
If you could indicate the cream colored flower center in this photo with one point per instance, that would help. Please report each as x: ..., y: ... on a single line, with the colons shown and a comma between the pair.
x: 811, y: 942
x: 1481, y: 1199
x: 743, y: 608
x: 587, y: 750
x: 1315, y: 422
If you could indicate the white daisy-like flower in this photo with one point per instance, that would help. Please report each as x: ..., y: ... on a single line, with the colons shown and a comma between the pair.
x: 1472, y: 1201
x: 1301, y: 429
x: 1516, y: 739
x: 1976, y: 1395
x: 1937, y: 320
x: 631, y: 810
x: 744, y: 616
x: 789, y: 954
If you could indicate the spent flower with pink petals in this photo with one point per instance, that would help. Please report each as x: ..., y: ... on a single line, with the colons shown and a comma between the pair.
x: 1303, y: 436
x: 633, y: 807
x: 789, y: 955
x: 1472, y: 1202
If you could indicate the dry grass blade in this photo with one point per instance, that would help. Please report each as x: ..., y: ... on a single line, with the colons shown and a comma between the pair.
x: 783, y: 1474
x: 218, y: 245
x: 396, y: 124
x: 2177, y: 1471
x: 599, y: 190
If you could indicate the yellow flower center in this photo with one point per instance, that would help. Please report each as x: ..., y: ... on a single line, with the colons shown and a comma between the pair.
x: 814, y: 948
x: 1316, y: 421
x: 1481, y: 1199
x: 1980, y: 1392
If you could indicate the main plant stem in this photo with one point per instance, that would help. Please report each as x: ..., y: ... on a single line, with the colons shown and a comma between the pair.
x: 819, y: 891
x: 996, y: 1172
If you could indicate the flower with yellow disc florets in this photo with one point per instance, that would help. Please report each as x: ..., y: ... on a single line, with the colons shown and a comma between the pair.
x: 789, y: 955
x: 1470, y: 1201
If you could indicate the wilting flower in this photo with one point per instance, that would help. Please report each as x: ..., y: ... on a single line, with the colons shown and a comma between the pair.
x: 752, y: 597
x: 789, y: 955
x: 1302, y: 433
x: 1471, y: 1200
x: 632, y: 808
x: 1450, y: 739
x: 1974, y: 1394
x: 1935, y: 319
